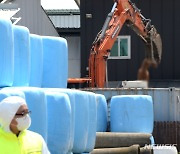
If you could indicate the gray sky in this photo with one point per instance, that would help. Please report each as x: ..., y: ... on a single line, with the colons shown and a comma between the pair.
x: 59, y: 4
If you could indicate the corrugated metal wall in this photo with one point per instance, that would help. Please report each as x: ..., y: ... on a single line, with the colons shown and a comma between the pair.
x: 164, y: 15
x: 66, y: 21
x: 167, y: 133
x: 34, y: 17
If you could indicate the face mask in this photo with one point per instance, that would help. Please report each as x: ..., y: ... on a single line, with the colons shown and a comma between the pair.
x: 23, y: 123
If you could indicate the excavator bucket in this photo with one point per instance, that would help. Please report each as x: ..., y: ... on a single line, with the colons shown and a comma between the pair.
x: 154, y: 46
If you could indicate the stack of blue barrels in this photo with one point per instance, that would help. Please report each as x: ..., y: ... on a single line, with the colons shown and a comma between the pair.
x: 131, y: 125
x: 35, y: 68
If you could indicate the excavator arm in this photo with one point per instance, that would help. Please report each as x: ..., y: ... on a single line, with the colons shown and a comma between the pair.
x: 123, y: 12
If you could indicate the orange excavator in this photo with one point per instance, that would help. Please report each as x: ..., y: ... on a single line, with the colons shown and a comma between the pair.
x: 123, y: 12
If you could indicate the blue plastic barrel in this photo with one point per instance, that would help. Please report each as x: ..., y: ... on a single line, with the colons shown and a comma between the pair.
x: 71, y: 95
x: 36, y: 101
x: 131, y: 113
x: 92, y: 122
x: 21, y: 56
x: 55, y: 59
x: 81, y: 121
x: 102, y: 113
x: 59, y: 122
x: 6, y: 53
x: 8, y: 92
x: 36, y: 61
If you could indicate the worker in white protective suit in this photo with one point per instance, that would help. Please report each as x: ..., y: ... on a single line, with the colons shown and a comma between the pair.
x: 14, y: 122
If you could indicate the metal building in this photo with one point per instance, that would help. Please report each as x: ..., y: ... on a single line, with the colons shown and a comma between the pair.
x: 33, y: 17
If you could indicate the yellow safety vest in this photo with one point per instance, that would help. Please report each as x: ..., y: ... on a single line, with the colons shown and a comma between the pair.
x: 26, y: 143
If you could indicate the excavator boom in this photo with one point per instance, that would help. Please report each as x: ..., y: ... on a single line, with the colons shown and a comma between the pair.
x: 123, y: 12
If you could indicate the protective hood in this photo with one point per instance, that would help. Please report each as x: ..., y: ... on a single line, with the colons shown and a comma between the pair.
x: 8, y: 108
